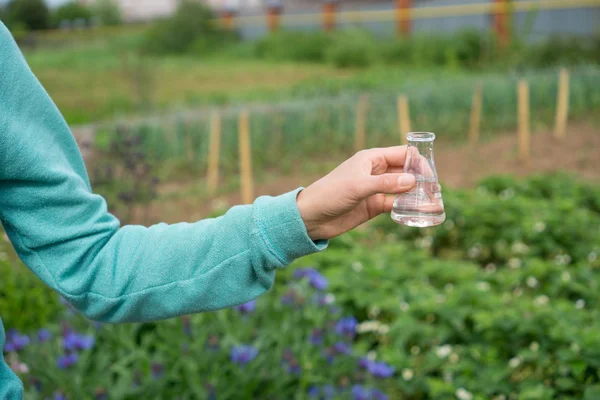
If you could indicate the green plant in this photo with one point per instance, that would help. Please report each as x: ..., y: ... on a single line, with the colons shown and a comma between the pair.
x: 352, y: 48
x: 32, y: 14
x: 107, y: 12
x: 71, y: 12
x: 307, y: 47
x: 190, y: 29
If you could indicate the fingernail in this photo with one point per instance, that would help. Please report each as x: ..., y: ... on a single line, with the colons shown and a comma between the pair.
x: 406, y: 180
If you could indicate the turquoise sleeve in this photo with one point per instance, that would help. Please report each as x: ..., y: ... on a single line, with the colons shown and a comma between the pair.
x: 64, y: 234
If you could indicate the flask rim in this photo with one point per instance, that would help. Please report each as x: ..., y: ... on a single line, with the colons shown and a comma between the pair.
x: 420, y: 136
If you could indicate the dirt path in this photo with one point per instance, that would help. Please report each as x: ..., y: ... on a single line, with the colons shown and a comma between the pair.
x: 457, y: 167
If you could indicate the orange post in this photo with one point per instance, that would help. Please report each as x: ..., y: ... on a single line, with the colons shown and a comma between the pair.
x: 228, y: 19
x: 403, y: 17
x: 329, y: 9
x: 273, y: 13
x: 501, y: 21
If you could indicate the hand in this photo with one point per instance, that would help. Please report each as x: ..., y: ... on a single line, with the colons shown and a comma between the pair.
x: 354, y: 192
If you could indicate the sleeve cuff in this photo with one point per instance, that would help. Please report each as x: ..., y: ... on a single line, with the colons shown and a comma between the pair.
x: 282, y: 228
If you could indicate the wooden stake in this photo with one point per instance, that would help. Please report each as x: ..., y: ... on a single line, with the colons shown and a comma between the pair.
x: 562, y: 107
x: 403, y: 118
x: 403, y: 17
x: 247, y: 190
x: 214, y: 152
x: 361, y: 119
x: 475, y: 116
x: 523, y: 105
x: 329, y: 10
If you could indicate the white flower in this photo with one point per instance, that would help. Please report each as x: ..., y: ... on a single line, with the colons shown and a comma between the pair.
x: 575, y: 347
x: 514, y: 263
x: 541, y: 300
x: 539, y: 226
x: 449, y: 224
x: 514, y: 362
x: 329, y: 298
x: 507, y: 194
x: 579, y: 304
x: 404, y: 306
x: 454, y: 358
x: 440, y: 298
x: 520, y: 248
x: 500, y: 397
x: 407, y: 374
x: 443, y: 351
x: 483, y: 286
x: 491, y: 267
x: 415, y: 350
x: 371, y: 355
x: 562, y: 259
x: 463, y: 394
x: 424, y: 242
x: 449, y: 287
x: 518, y: 291
x: 368, y: 326
x: 448, y: 376
x: 592, y: 257
x: 565, y: 276
x: 383, y: 329
x: 534, y: 346
x: 532, y: 282
x: 475, y: 251
x: 374, y: 312
x: 357, y: 266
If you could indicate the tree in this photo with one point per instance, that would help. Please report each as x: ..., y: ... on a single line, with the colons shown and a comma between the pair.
x: 32, y: 14
x: 107, y: 11
x: 70, y: 12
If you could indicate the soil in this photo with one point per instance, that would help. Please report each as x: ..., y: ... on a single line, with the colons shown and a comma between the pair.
x: 457, y: 167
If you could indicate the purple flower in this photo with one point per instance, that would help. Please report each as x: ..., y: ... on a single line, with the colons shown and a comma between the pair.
x: 363, y: 363
x: 291, y: 363
x: 360, y: 393
x: 313, y: 391
x: 315, y: 279
x: 213, y: 343
x: 325, y: 393
x: 157, y: 370
x: 187, y: 325
x: 304, y: 272
x: 100, y: 394
x: 380, y: 369
x: 342, y: 348
x: 243, y: 354
x: 346, y: 327
x: 328, y: 391
x: 329, y: 354
x: 67, y: 361
x: 377, y: 394
x: 316, y: 337
x: 247, y: 307
x: 290, y: 297
x: 15, y: 341
x: 75, y: 341
x: 44, y: 335
x: 58, y: 396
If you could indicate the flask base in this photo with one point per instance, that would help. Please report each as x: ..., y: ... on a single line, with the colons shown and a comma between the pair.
x: 418, y: 220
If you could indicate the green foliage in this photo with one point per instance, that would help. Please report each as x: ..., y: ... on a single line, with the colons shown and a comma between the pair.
x: 107, y: 12
x: 352, y: 48
x: 452, y: 322
x: 71, y: 12
x: 294, y: 46
x: 190, y: 29
x: 31, y: 14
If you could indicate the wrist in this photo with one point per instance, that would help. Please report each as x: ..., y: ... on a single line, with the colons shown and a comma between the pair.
x: 304, y: 207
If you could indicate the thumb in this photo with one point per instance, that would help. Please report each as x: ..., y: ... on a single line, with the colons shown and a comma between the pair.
x: 388, y: 184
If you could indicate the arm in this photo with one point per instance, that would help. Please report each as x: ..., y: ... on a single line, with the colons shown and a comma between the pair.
x: 64, y: 234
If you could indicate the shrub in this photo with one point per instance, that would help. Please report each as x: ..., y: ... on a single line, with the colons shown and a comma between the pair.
x: 32, y: 14
x: 294, y: 46
x: 191, y: 28
x: 107, y: 12
x: 352, y: 48
x: 71, y: 12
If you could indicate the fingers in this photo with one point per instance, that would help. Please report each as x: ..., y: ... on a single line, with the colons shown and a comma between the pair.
x: 385, y: 183
x: 388, y: 203
x: 382, y: 158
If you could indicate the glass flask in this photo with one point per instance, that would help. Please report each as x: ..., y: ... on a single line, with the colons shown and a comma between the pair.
x: 422, y: 206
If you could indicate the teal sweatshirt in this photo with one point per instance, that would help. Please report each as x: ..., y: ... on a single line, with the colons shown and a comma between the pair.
x: 64, y: 234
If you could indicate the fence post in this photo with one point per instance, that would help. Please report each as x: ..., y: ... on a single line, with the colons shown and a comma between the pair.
x: 501, y: 21
x: 214, y: 152
x: 247, y: 189
x: 403, y: 118
x: 523, y: 107
x: 329, y: 10
x: 562, y: 107
x: 403, y: 17
x: 361, y: 119
x: 228, y: 19
x: 273, y: 13
x: 475, y: 116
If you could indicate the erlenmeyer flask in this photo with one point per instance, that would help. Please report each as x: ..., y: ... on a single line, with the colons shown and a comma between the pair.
x: 423, y: 205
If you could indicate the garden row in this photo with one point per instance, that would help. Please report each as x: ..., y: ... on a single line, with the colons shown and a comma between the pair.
x: 499, y: 302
